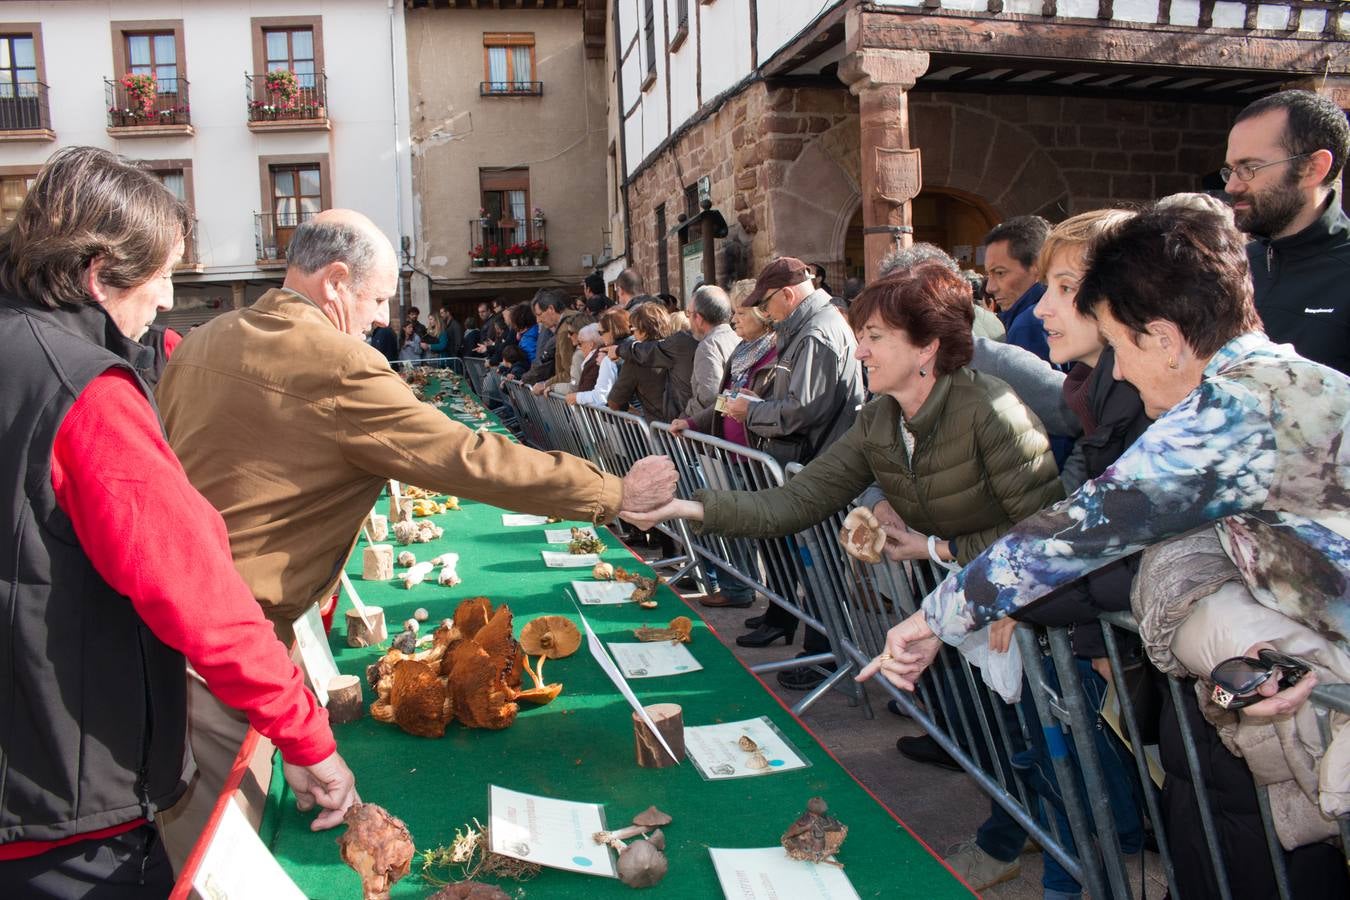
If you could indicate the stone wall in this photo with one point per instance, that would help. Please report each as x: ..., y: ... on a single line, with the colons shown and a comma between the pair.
x: 1057, y: 156
x: 783, y: 164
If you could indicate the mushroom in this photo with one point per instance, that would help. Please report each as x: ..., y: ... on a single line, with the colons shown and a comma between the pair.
x: 420, y: 701
x: 642, y: 864
x: 550, y: 636
x: 541, y: 693
x: 815, y: 835
x: 406, y: 559
x: 406, y: 641
x: 584, y: 541
x: 420, y: 614
x: 862, y: 535
x: 643, y: 822
x: 602, y: 571
x: 747, y: 743
x: 378, y: 846
x: 681, y: 628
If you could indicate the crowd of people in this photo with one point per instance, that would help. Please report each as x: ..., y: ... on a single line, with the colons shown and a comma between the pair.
x: 1138, y: 410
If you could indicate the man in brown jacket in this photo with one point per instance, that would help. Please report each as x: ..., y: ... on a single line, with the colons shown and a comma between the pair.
x: 290, y: 424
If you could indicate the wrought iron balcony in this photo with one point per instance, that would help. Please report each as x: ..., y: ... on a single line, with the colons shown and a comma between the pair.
x: 510, y: 88
x: 272, y: 234
x: 164, y: 103
x: 23, y: 107
x: 300, y: 101
x: 507, y: 245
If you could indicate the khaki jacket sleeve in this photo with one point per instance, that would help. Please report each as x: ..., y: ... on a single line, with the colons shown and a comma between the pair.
x: 385, y: 430
x: 1019, y: 466
x: 826, y: 485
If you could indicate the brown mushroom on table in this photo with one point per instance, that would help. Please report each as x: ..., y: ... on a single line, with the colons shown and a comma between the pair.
x: 815, y: 835
x: 681, y: 628
x: 378, y: 846
x: 551, y: 636
x: 642, y: 863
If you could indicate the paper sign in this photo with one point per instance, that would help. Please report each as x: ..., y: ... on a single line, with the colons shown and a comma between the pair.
x: 316, y: 657
x: 515, y: 520
x: 716, y: 750
x: 768, y: 873
x: 237, y: 865
x: 564, y: 535
x: 555, y: 560
x: 598, y: 651
x: 654, y: 659
x: 396, y: 498
x: 601, y: 593
x: 553, y: 833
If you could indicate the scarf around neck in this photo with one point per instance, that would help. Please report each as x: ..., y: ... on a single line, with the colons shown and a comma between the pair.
x: 744, y: 357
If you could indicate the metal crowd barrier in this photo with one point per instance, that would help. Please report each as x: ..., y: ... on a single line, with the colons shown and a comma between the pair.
x: 475, y: 369
x: 982, y: 733
x: 775, y: 566
x: 453, y: 363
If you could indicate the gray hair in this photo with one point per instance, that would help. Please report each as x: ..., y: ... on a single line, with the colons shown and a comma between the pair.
x: 712, y: 303
x: 911, y: 256
x: 589, y: 333
x: 1198, y: 201
x: 316, y: 244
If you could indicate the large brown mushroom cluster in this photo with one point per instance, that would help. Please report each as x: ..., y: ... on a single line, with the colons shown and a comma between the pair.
x: 471, y: 672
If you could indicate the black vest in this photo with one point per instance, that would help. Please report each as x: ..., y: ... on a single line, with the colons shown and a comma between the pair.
x: 93, y: 706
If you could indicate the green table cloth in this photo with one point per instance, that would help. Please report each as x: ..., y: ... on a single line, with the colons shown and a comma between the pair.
x: 581, y: 746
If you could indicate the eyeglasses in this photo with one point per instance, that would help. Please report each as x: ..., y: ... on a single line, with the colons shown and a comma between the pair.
x: 1247, y: 171
x: 1236, y: 679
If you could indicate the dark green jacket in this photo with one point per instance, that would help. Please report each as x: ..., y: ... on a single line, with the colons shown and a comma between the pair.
x: 982, y: 463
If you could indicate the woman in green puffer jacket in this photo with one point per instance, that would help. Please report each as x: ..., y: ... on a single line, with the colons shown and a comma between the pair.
x: 956, y: 453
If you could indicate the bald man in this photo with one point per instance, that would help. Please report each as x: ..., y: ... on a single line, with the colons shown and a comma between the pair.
x: 290, y: 424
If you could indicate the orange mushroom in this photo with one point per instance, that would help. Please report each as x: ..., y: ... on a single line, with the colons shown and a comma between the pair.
x: 550, y: 636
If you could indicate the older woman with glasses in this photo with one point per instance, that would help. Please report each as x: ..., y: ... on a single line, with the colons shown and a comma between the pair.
x: 598, y: 371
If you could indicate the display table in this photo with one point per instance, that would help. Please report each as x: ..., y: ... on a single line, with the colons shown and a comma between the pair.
x: 581, y: 746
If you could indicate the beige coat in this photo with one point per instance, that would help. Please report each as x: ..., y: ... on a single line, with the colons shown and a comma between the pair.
x: 1194, y: 612
x: 290, y: 428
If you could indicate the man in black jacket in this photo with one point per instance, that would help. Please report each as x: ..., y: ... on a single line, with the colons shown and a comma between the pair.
x: 1285, y: 154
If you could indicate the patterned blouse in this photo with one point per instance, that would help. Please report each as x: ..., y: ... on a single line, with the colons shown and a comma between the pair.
x: 1261, y: 448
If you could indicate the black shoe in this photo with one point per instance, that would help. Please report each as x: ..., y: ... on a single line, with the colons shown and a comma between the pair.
x: 755, y: 621
x: 926, y: 750
x: 765, y: 635
x: 805, y: 678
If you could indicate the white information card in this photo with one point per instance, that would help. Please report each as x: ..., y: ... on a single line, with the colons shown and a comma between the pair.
x: 556, y: 560
x: 238, y: 866
x: 768, y: 873
x: 548, y: 832
x: 716, y: 749
x: 515, y: 520
x: 601, y: 593
x: 654, y: 659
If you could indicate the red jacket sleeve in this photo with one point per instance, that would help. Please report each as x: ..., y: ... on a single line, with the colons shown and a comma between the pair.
x: 171, y: 341
x: 158, y: 542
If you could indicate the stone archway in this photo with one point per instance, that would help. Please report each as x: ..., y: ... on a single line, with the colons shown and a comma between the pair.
x: 975, y: 153
x: 809, y: 212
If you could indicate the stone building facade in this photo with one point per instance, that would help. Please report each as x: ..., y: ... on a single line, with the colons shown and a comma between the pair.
x: 873, y: 124
x: 784, y: 167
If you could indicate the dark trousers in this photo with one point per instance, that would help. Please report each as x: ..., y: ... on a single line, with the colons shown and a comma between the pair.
x: 128, y: 866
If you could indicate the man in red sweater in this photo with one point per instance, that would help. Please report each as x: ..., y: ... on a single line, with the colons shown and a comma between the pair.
x: 118, y: 569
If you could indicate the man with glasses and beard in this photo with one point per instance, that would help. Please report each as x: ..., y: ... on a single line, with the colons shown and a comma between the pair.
x: 1285, y: 155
